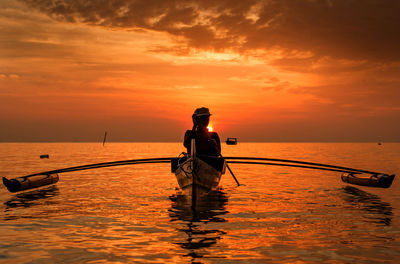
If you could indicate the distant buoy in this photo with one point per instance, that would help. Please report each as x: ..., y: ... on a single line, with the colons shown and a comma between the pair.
x: 45, y: 156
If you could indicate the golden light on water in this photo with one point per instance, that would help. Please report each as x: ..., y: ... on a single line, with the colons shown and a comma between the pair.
x: 141, y: 211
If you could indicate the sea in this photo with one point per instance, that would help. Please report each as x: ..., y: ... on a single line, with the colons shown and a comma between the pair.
x: 137, y: 214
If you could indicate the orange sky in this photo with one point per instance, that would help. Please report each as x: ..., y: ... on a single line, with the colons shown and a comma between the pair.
x: 291, y: 70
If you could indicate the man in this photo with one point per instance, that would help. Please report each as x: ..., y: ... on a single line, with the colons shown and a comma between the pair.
x: 207, y: 143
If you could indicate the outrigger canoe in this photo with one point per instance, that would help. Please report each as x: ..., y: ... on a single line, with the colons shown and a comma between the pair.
x: 198, y: 175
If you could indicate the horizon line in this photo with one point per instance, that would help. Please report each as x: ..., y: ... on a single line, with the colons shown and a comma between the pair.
x: 5, y: 142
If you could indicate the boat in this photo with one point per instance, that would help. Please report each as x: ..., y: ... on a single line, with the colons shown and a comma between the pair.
x: 197, y: 175
x: 231, y: 141
x: 204, y: 172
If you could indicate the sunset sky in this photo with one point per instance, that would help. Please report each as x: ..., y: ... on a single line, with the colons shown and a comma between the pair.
x: 290, y: 70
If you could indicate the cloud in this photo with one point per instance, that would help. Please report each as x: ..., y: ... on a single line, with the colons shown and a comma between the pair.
x: 270, y: 64
x: 358, y: 98
x: 348, y: 29
x: 10, y: 76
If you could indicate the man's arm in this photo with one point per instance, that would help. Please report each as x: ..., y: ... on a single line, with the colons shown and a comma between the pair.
x: 187, y: 139
x: 215, y: 136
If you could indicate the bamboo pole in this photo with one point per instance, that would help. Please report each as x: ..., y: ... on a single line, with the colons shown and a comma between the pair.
x: 292, y: 165
x: 104, y: 164
x: 301, y: 162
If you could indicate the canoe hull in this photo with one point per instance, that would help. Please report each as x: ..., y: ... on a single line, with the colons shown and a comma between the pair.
x: 205, y: 176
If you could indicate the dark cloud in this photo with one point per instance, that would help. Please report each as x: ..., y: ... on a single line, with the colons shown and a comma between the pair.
x: 337, y: 28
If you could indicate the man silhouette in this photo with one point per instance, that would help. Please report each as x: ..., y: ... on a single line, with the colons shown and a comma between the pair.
x: 207, y: 143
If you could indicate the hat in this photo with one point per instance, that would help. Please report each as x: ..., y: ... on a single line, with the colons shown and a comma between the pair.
x: 203, y: 111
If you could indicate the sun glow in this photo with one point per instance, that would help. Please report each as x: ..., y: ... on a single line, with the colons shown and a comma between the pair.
x: 210, y: 128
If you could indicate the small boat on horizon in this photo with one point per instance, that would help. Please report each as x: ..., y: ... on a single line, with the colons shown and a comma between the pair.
x: 231, y: 141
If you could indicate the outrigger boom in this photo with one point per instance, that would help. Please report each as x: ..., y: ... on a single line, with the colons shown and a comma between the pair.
x: 350, y: 175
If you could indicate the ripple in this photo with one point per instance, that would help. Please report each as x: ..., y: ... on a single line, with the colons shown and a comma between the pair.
x: 135, y: 214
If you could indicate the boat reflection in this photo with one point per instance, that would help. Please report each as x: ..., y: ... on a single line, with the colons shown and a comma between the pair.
x: 193, y: 223
x: 378, y: 211
x: 31, y: 198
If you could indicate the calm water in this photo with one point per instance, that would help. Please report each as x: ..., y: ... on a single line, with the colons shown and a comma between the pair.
x: 135, y: 214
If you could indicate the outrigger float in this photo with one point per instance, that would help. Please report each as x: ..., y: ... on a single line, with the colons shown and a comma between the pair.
x: 198, y: 175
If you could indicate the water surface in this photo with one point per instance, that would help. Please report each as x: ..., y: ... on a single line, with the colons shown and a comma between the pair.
x: 136, y: 214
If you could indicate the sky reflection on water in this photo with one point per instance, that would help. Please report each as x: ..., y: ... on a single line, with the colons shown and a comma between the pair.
x: 135, y: 214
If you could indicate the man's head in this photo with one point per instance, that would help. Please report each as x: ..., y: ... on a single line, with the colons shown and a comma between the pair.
x: 202, y: 116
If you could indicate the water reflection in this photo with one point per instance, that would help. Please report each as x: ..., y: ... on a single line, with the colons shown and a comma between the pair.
x: 378, y: 211
x: 31, y: 198
x: 193, y: 223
